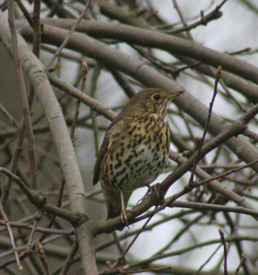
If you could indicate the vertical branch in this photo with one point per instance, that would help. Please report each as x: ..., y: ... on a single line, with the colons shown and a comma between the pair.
x: 25, y: 12
x: 225, y: 251
x: 188, y: 34
x: 95, y: 9
x: 14, y: 162
x: 36, y: 40
x: 77, y: 108
x: 218, y: 74
x: 243, y: 259
x: 26, y: 121
x: 58, y: 204
x: 36, y: 27
x: 37, y: 217
x: 24, y: 100
x: 95, y: 76
x: 42, y: 256
x: 68, y: 36
x: 69, y: 260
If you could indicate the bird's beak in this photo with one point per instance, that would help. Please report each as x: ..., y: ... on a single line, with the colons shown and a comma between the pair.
x: 174, y: 95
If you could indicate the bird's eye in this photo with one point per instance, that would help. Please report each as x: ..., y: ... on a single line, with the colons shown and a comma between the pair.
x: 156, y: 97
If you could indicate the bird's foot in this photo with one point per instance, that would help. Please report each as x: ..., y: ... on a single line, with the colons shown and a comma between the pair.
x: 156, y: 200
x: 145, y: 196
x: 154, y: 188
x: 151, y: 189
x: 124, y: 216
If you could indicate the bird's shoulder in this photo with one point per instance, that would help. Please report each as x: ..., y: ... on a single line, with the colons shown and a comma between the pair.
x: 112, y: 136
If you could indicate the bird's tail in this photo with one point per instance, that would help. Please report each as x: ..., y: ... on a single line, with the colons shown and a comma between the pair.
x: 113, y: 200
x: 112, y: 211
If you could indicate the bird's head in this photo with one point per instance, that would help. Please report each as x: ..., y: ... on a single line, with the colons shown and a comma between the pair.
x: 151, y: 101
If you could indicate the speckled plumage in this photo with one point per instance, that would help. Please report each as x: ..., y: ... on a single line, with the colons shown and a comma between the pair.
x: 135, y: 148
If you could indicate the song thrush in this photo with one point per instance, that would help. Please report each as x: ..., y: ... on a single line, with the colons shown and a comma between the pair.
x: 135, y: 148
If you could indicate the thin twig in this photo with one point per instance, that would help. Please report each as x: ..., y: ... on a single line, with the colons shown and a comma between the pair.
x: 36, y: 41
x: 207, y: 261
x: 218, y: 74
x: 26, y: 121
x: 157, y: 62
x: 180, y: 252
x: 36, y: 27
x: 92, y: 103
x: 186, y: 190
x: 122, y: 81
x: 37, y: 217
x: 58, y: 204
x: 94, y: 78
x: 25, y: 12
x: 205, y: 19
x: 188, y: 34
x: 132, y: 242
x: 40, y: 201
x: 69, y: 260
x: 68, y: 36
x: 11, y: 237
x: 222, y: 237
x: 202, y: 206
x: 124, y: 270
x: 226, y: 173
x: 40, y: 229
x: 42, y: 256
x: 243, y: 259
x: 77, y: 107
x: 8, y: 115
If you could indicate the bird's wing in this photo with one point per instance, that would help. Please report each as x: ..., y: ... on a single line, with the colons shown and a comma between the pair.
x: 117, y: 129
x: 101, y: 154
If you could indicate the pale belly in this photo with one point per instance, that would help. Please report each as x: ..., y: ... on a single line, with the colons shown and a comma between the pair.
x: 137, y: 156
x: 138, y: 167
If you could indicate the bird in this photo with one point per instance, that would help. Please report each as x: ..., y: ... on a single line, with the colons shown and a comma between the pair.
x: 135, y: 149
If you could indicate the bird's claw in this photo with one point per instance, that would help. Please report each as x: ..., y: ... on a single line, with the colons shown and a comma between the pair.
x: 124, y: 216
x: 151, y: 188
